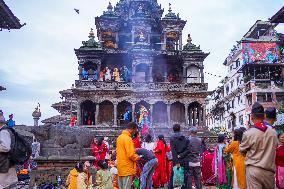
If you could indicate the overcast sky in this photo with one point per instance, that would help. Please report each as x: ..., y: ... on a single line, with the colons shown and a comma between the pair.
x: 38, y: 60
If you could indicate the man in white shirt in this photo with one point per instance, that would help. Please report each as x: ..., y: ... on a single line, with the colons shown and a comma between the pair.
x: 8, y: 173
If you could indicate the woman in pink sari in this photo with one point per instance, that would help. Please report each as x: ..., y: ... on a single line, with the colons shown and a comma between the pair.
x: 222, y: 164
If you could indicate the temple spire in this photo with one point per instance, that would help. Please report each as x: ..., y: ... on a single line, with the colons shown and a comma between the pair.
x: 91, y: 34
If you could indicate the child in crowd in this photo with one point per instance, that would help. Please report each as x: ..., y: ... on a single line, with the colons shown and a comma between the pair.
x: 114, y: 174
x: 103, y: 177
x: 71, y: 181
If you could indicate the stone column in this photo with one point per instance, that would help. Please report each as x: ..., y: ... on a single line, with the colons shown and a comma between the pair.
x: 115, y: 114
x: 186, y: 114
x: 200, y: 122
x: 80, y: 71
x: 184, y: 79
x: 133, y: 73
x: 180, y: 42
x: 204, y: 116
x: 165, y: 42
x: 190, y: 117
x: 150, y: 74
x: 133, y: 111
x: 79, y: 119
x: 169, y: 114
x: 194, y: 116
x: 202, y: 74
x: 151, y: 113
x: 97, y: 113
x: 116, y: 40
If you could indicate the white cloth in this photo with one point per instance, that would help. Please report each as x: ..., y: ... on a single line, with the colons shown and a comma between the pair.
x: 191, y: 164
x: 235, y: 185
x: 6, y: 179
x: 148, y: 146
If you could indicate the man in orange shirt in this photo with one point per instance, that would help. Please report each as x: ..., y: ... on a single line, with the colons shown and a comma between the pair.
x: 126, y: 156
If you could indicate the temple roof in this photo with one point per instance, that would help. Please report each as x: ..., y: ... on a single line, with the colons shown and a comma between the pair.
x: 190, y: 47
x: 7, y: 19
x: 170, y: 15
x: 278, y: 17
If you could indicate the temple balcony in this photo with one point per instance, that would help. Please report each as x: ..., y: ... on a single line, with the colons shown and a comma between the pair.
x: 151, y: 86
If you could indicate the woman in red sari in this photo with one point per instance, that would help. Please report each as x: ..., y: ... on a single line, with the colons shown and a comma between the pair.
x: 160, y: 177
x: 99, y: 150
x: 280, y: 162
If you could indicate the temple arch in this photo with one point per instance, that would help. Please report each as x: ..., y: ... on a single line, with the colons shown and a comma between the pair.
x: 160, y: 112
x: 88, y: 112
x: 106, y: 112
x: 177, y: 112
x: 124, y: 112
x: 195, y: 114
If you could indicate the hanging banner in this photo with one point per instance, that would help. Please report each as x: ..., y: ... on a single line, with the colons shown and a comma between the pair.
x: 262, y: 52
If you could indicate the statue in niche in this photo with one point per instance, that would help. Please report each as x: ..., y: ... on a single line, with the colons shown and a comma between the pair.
x: 96, y: 75
x: 102, y: 75
x: 107, y: 74
x: 141, y: 37
x: 116, y: 75
x: 85, y: 74
x: 125, y: 74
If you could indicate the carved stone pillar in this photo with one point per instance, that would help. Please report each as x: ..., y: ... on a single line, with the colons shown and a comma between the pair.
x: 200, y: 122
x: 180, y: 42
x: 190, y: 117
x: 79, y: 119
x: 202, y: 74
x: 115, y: 114
x: 186, y: 114
x: 133, y: 73
x: 194, y: 116
x: 184, y: 74
x: 97, y: 113
x: 169, y: 114
x: 150, y: 74
x: 133, y: 111
x: 204, y: 116
x: 80, y: 72
x: 151, y: 113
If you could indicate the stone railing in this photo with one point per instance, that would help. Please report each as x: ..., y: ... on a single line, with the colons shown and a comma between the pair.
x: 94, y: 85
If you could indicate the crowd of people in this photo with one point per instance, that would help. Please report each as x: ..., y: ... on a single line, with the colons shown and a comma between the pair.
x: 252, y: 158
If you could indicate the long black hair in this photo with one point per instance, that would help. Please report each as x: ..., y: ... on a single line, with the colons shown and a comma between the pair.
x: 221, y: 138
x: 148, y: 138
x: 100, y: 141
x: 238, y: 135
x: 162, y: 138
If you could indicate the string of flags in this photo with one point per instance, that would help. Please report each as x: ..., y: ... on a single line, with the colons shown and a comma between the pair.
x: 213, y: 74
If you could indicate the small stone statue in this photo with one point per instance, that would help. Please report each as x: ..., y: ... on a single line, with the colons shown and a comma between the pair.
x: 116, y: 74
x: 96, y: 75
x: 107, y: 74
x: 36, y: 115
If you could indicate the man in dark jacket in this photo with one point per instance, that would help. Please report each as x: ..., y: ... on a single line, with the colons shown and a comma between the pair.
x: 180, y: 152
x: 194, y: 148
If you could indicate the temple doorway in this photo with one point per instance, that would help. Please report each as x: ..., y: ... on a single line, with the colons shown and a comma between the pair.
x: 195, y: 114
x: 88, y: 112
x: 106, y: 112
x: 177, y: 112
x: 138, y: 107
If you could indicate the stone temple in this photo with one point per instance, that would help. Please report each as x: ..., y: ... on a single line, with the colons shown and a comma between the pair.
x: 138, y: 59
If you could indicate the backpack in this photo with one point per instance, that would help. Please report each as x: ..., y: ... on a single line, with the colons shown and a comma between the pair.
x: 21, y: 150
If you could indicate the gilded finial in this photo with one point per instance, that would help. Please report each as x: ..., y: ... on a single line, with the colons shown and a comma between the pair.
x: 91, y: 34
x: 109, y: 7
x: 170, y: 8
